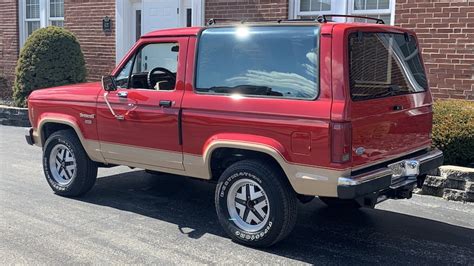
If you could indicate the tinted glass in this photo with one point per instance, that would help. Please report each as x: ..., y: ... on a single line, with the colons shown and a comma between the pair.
x: 383, y: 65
x: 279, y: 61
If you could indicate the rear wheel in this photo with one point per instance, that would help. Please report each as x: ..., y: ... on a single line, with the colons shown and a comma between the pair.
x: 67, y: 168
x: 255, y: 204
x: 340, y: 203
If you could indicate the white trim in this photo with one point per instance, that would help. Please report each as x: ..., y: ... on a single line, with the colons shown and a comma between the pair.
x: 123, y: 22
x: 48, y: 14
x: 388, y: 11
x: 340, y: 7
x: 197, y: 15
x: 337, y: 7
x: 43, y: 19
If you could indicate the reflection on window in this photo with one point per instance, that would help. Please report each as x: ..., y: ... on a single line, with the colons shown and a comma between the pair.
x: 315, y: 5
x: 32, y: 9
x: 265, y: 61
x: 32, y: 16
x: 35, y: 19
x: 56, y: 8
x: 385, y: 17
x: 371, y: 4
x: 383, y: 65
x: 56, y: 13
x: 372, y: 8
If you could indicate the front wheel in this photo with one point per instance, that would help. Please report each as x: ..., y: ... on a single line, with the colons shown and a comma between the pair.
x: 67, y: 168
x: 256, y: 206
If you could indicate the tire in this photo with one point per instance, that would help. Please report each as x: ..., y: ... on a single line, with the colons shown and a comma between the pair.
x: 71, y: 173
x: 340, y: 203
x: 268, y: 216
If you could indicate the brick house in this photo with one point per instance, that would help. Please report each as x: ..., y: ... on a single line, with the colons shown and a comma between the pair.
x: 445, y: 28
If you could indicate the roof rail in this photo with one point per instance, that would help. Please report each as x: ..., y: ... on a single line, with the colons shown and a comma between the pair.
x: 323, y: 18
x: 213, y: 21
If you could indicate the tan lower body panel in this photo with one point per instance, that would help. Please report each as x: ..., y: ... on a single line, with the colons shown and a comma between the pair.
x: 305, y: 180
x: 143, y: 156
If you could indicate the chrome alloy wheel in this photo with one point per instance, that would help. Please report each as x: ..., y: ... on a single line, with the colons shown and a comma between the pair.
x: 62, y: 164
x: 248, y: 205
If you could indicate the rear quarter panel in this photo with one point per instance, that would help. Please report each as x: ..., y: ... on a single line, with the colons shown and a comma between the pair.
x: 299, y: 129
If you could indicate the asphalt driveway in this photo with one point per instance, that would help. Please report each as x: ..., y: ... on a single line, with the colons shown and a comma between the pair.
x: 134, y: 217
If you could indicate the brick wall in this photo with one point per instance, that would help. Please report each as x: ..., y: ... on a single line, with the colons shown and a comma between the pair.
x: 445, y: 29
x: 8, y: 44
x: 84, y: 19
x: 247, y: 9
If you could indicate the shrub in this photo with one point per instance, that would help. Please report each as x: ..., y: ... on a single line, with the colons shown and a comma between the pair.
x: 4, y: 87
x: 453, y: 130
x: 51, y: 57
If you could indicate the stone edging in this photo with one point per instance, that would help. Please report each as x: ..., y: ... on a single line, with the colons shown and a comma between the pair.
x: 14, y: 116
x: 451, y: 183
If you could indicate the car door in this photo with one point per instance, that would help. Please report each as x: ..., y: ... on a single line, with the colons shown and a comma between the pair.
x: 138, y: 123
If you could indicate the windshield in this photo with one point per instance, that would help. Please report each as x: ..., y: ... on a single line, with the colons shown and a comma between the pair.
x: 384, y: 64
x: 275, y: 61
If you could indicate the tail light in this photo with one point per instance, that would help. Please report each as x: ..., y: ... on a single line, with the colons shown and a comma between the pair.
x: 341, y: 142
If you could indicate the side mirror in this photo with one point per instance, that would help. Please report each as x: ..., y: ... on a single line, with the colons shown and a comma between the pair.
x: 108, y: 83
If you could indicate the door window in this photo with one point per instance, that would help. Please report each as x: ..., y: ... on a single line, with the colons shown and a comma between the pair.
x: 153, y: 67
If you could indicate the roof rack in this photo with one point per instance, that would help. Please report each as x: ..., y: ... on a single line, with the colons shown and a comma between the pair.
x: 323, y: 18
x: 213, y: 21
x: 320, y: 19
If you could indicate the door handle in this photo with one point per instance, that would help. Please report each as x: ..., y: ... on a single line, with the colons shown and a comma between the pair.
x: 165, y: 103
x: 122, y: 94
x: 397, y: 107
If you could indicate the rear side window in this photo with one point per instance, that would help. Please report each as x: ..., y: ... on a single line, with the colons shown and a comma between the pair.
x: 383, y: 65
x: 266, y: 61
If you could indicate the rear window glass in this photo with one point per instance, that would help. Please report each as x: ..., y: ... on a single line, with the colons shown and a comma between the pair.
x: 383, y: 65
x: 275, y: 61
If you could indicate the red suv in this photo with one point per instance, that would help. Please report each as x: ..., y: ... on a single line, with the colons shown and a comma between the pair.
x: 272, y: 112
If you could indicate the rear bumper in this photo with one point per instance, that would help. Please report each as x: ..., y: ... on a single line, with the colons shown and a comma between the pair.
x: 381, y: 182
x: 29, y: 136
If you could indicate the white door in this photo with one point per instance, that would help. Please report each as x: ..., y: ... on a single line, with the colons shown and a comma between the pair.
x: 159, y: 14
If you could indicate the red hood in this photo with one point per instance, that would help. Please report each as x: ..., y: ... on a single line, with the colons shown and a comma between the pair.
x: 73, y: 92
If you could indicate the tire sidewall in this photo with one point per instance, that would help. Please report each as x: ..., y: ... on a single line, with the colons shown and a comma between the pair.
x: 50, y: 144
x: 270, y: 230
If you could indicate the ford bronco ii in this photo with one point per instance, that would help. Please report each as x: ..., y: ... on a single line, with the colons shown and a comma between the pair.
x: 272, y: 112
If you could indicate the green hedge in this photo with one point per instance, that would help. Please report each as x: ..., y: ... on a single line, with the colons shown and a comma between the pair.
x: 51, y: 57
x: 453, y: 130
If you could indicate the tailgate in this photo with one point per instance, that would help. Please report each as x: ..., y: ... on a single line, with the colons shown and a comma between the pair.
x: 391, y: 106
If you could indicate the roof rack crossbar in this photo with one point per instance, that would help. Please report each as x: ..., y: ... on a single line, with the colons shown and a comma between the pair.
x: 323, y: 18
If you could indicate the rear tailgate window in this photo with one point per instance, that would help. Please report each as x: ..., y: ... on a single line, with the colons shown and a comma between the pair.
x: 384, y: 65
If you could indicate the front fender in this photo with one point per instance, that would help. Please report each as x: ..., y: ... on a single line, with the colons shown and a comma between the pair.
x: 92, y: 147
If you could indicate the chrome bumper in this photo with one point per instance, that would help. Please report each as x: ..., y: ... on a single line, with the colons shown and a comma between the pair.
x: 29, y: 136
x: 383, y: 178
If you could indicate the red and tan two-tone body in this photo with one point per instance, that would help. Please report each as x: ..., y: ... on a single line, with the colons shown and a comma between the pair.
x: 330, y: 146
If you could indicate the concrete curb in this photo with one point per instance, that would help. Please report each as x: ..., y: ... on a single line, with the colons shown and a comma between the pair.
x: 451, y: 183
x: 14, y: 116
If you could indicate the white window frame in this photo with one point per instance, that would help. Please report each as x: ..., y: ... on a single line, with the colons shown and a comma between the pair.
x: 49, y: 18
x: 341, y: 7
x: 44, y: 18
x: 313, y: 13
x: 390, y: 10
